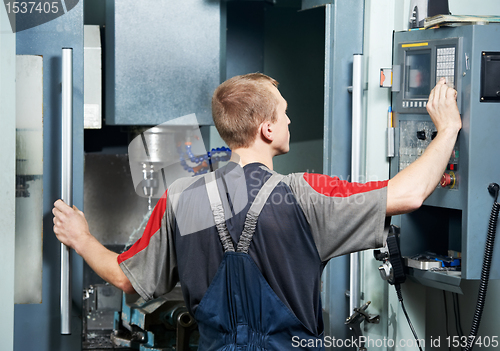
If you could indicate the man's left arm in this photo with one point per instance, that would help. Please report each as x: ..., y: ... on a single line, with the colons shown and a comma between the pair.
x: 343, y: 217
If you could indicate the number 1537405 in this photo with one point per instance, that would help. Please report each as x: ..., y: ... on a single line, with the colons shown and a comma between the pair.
x: 32, y: 7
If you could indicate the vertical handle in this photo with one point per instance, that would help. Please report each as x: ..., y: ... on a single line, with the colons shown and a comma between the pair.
x: 66, y: 181
x: 356, y: 165
x: 357, y: 116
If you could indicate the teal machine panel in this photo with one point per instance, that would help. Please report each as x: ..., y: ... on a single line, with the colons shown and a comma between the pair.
x: 454, y: 219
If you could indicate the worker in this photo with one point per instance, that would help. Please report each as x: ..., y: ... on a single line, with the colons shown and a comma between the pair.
x: 247, y: 244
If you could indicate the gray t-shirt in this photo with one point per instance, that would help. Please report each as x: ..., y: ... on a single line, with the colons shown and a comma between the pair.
x: 307, y: 220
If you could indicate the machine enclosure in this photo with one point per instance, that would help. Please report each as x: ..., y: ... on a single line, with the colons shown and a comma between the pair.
x: 451, y: 219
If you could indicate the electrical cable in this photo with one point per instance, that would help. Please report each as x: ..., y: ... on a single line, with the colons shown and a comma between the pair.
x: 459, y: 320
x: 446, y: 317
x: 400, y: 298
x: 485, y: 272
x: 457, y: 325
x: 459, y: 317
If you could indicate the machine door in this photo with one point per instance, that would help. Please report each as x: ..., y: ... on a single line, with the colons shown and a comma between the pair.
x: 37, y: 325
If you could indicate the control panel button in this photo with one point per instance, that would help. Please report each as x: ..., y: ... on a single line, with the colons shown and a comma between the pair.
x: 421, y: 135
x: 445, y: 180
x: 448, y: 179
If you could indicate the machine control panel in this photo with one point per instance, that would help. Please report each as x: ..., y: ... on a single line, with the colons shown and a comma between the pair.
x: 422, y: 65
x: 415, y: 136
x: 453, y: 220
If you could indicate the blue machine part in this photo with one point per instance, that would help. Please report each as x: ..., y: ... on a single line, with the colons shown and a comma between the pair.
x: 202, y: 163
x: 454, y: 263
x: 163, y: 324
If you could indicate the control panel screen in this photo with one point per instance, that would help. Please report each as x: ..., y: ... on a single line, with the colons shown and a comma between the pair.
x: 418, y: 74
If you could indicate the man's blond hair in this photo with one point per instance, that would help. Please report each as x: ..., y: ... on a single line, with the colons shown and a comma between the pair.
x: 240, y: 105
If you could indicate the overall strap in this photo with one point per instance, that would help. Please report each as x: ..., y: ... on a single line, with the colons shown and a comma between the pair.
x: 218, y: 212
x: 254, y: 212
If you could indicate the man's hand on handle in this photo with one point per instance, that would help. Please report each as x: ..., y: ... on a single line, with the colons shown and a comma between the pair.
x: 70, y: 225
x: 71, y: 228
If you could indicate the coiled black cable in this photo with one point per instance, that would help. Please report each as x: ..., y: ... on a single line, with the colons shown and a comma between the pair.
x: 485, y: 272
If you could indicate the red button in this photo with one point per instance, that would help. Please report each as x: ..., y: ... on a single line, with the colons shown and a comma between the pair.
x: 445, y: 180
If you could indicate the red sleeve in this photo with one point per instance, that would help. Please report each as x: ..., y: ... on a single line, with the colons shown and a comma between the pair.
x: 152, y: 227
x: 334, y: 187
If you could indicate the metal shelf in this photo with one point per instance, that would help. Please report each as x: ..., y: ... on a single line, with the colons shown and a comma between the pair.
x: 444, y: 280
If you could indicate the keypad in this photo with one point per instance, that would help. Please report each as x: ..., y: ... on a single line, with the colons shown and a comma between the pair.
x: 445, y: 66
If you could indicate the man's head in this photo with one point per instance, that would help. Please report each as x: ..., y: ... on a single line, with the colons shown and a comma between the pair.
x: 242, y: 104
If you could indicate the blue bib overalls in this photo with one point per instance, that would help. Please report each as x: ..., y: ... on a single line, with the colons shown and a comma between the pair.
x: 240, y: 311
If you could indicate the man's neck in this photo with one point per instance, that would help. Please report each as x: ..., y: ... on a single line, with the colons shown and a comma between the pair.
x: 245, y: 156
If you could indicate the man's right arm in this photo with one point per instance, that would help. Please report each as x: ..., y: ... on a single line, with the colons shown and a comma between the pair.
x: 409, y: 188
x: 104, y: 262
x: 71, y: 228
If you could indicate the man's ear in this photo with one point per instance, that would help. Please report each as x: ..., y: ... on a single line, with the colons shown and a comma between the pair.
x: 266, y: 131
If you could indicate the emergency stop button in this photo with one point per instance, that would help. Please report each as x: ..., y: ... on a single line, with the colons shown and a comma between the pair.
x: 448, y: 179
